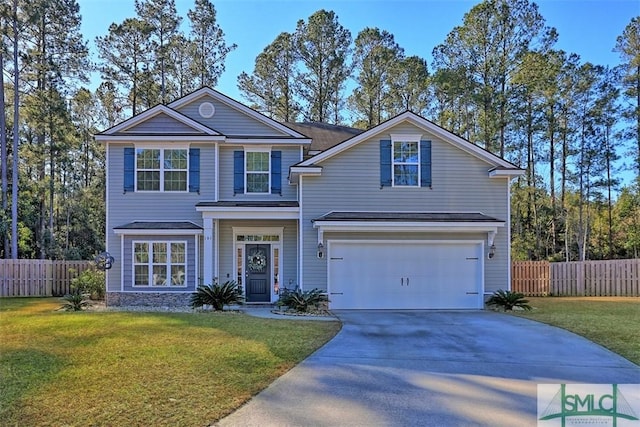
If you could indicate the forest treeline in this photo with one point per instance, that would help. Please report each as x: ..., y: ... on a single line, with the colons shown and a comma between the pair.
x: 497, y: 80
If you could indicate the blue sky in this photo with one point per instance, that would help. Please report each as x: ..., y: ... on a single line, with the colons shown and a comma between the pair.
x: 586, y: 27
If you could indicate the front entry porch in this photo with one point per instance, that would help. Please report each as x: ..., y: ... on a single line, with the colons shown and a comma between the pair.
x: 258, y: 262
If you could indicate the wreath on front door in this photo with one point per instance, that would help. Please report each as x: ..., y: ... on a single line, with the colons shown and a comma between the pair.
x: 257, y: 261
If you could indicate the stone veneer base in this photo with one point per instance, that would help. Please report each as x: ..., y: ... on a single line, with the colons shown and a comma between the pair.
x: 147, y: 299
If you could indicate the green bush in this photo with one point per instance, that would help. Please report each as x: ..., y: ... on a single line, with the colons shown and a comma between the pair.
x: 217, y: 295
x: 508, y: 300
x: 75, y: 301
x: 300, y: 301
x: 90, y: 282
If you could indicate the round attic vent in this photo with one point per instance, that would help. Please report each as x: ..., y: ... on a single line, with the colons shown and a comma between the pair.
x: 206, y: 110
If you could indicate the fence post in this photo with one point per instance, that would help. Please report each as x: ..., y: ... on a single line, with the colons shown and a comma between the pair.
x: 580, y: 285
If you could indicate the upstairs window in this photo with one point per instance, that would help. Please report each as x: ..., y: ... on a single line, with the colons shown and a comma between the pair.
x: 161, y: 170
x: 157, y: 169
x: 257, y: 171
x: 405, y: 161
x: 406, y: 164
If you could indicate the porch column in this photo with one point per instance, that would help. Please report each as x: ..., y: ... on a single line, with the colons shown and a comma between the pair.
x: 208, y: 273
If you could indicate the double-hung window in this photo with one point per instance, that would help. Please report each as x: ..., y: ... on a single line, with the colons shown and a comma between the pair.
x: 406, y: 163
x: 257, y: 171
x: 157, y: 263
x: 161, y: 169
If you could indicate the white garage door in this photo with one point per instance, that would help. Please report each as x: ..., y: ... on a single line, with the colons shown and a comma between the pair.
x: 405, y: 275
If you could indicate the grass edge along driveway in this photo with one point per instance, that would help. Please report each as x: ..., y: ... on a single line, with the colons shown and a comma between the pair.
x: 612, y: 322
x: 134, y: 368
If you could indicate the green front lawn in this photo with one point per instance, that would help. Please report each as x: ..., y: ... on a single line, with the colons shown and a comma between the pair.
x: 130, y: 368
x: 611, y: 322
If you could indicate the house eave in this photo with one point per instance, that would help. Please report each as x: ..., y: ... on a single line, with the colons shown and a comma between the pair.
x: 154, y: 111
x: 408, y: 226
x: 249, y: 212
x: 274, y: 141
x: 159, y: 138
x: 157, y: 232
x: 506, y: 173
x: 297, y: 171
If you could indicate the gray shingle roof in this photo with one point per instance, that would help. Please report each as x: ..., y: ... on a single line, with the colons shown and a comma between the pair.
x: 159, y: 225
x: 324, y: 135
x: 248, y: 204
x: 408, y: 217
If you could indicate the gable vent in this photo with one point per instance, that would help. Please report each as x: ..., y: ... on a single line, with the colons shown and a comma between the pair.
x: 206, y: 110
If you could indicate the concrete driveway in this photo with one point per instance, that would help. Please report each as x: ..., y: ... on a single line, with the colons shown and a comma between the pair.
x: 431, y: 368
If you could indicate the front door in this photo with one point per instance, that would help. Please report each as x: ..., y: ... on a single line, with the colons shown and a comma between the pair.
x: 257, y: 272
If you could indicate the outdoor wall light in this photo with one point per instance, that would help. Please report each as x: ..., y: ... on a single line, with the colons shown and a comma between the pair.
x: 320, y: 250
x: 492, y: 251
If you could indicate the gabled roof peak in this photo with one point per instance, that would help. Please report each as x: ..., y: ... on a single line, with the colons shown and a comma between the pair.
x: 422, y: 123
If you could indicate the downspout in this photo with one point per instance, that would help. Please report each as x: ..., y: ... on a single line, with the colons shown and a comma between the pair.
x: 300, y: 233
x: 508, y: 234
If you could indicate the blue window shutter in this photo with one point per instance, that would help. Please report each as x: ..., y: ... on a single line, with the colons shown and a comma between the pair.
x: 425, y: 163
x: 194, y: 170
x: 385, y: 163
x: 276, y: 172
x: 129, y: 168
x: 238, y: 172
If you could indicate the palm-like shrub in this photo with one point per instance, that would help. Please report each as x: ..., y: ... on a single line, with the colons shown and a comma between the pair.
x: 75, y: 301
x: 217, y: 295
x: 508, y: 300
x: 300, y: 301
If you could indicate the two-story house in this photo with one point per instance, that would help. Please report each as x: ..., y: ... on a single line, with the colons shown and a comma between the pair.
x: 403, y: 215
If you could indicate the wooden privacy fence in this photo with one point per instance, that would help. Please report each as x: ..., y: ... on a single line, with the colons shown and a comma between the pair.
x: 612, y: 278
x: 532, y: 278
x: 37, y: 277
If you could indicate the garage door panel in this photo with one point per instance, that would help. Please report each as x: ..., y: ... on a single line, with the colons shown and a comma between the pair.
x: 405, y: 275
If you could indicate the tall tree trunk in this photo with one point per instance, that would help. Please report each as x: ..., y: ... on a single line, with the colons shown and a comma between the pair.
x: 609, y: 185
x: 3, y: 166
x: 638, y: 117
x: 16, y: 139
x: 552, y: 176
x: 41, y: 138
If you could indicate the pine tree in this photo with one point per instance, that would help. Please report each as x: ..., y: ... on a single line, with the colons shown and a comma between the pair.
x: 628, y: 46
x: 323, y: 47
x: 125, y: 52
x: 375, y: 55
x: 271, y: 86
x: 164, y: 22
x: 210, y: 48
